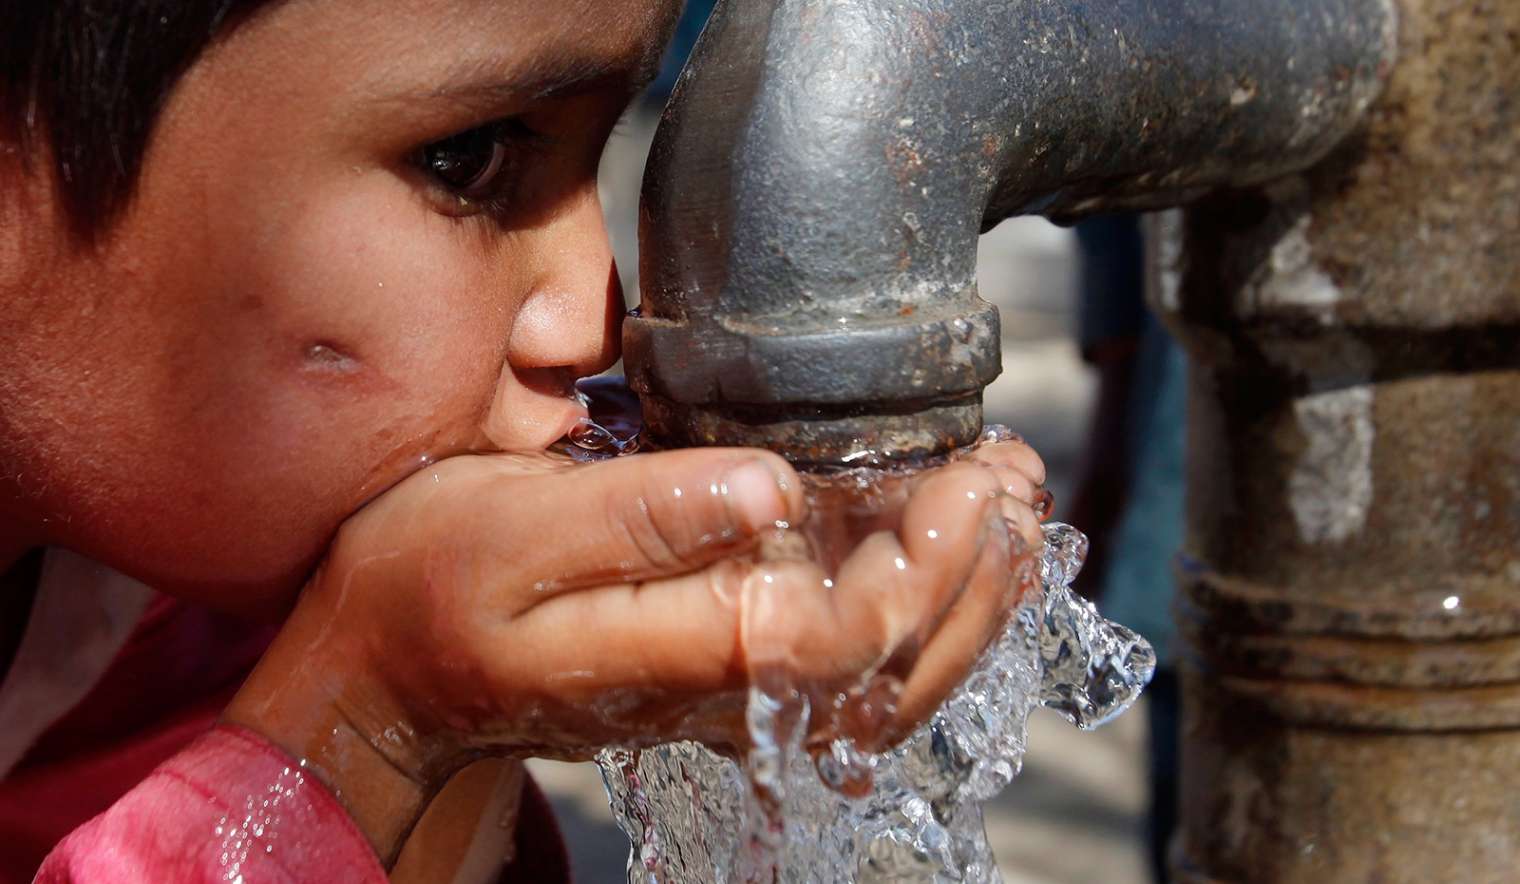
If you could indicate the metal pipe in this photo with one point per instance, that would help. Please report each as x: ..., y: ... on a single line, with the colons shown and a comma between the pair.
x: 815, y: 191
x: 1351, y: 591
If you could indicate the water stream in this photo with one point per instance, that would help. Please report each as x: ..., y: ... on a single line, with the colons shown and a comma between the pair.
x: 912, y: 813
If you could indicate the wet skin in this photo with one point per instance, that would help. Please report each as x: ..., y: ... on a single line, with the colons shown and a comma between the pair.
x: 447, y: 623
x: 296, y: 317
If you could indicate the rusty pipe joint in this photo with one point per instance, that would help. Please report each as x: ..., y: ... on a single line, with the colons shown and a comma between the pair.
x: 819, y: 179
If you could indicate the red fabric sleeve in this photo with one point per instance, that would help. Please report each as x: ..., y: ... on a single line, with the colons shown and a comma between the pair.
x: 229, y: 808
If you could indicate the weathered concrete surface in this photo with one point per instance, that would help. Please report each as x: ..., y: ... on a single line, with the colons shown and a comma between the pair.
x: 1352, y: 593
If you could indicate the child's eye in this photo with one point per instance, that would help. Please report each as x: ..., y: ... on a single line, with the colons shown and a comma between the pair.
x: 480, y: 164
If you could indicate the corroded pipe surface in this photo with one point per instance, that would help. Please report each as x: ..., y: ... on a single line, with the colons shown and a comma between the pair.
x: 817, y: 185
x: 1351, y: 589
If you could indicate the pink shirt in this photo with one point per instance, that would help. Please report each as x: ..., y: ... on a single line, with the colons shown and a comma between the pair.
x: 229, y: 808
x: 108, y: 750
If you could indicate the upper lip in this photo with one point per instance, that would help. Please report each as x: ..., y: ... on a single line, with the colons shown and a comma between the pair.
x: 576, y: 413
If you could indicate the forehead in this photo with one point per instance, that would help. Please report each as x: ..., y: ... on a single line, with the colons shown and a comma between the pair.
x: 381, y: 46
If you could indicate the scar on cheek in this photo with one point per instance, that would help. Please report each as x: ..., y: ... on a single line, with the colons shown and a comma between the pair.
x: 325, y: 356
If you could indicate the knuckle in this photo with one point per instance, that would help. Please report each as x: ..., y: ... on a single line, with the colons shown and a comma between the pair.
x: 1017, y: 484
x: 1019, y: 456
x: 1034, y: 466
x: 991, y: 484
x: 977, y: 481
x: 1029, y: 529
x: 969, y: 477
x: 649, y: 532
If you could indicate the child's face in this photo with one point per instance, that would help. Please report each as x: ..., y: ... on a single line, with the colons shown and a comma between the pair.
x: 303, y: 303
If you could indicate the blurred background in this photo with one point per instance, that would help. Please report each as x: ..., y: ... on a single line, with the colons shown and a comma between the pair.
x: 1077, y: 812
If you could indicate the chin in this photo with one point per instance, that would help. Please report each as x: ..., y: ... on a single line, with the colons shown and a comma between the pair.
x: 259, y: 584
x: 265, y: 598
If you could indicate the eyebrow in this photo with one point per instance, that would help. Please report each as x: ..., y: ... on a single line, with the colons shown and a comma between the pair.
x: 485, y: 86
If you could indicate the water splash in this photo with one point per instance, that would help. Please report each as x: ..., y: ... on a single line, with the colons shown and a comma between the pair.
x: 612, y: 425
x: 693, y: 816
x: 1093, y: 669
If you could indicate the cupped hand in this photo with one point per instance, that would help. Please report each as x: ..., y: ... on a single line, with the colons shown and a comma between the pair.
x: 519, y: 605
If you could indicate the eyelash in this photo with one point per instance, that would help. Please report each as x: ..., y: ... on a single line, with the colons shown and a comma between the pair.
x: 498, y: 195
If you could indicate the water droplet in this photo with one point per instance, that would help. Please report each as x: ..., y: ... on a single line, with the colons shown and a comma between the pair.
x: 1451, y: 603
x: 591, y: 436
x: 993, y: 434
x: 612, y: 426
x: 846, y: 769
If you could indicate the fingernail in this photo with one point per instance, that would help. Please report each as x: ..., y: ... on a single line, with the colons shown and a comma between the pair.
x: 1044, y: 504
x: 755, y: 496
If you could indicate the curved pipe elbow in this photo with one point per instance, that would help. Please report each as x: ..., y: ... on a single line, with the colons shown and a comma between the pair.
x: 814, y: 195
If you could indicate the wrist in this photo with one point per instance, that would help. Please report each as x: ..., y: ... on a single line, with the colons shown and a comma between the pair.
x: 321, y: 711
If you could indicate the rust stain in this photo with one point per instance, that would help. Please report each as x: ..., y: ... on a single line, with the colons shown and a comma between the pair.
x: 904, y: 160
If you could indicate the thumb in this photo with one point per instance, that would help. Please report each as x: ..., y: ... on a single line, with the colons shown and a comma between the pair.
x: 648, y: 515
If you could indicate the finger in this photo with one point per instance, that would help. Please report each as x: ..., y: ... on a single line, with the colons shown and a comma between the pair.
x: 695, y: 631
x: 975, y: 620
x: 1023, y: 521
x: 677, y: 634
x: 637, y: 517
x: 1017, y: 485
x: 671, y: 657
x: 893, y: 588
x: 1013, y: 454
x: 666, y: 647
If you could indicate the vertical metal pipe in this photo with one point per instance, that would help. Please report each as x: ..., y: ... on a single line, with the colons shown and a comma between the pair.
x: 1351, y: 580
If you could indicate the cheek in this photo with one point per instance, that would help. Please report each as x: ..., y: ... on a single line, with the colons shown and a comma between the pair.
x: 393, y: 293
x: 380, y: 321
x: 326, y: 349
x: 383, y: 328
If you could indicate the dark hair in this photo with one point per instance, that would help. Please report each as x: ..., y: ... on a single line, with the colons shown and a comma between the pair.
x: 91, y: 77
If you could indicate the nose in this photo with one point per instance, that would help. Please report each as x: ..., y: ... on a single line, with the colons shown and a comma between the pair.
x: 566, y: 328
x: 572, y: 317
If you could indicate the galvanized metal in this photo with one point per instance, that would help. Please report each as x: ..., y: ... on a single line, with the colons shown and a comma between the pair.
x: 817, y: 185
x: 1352, y: 577
x: 1351, y: 586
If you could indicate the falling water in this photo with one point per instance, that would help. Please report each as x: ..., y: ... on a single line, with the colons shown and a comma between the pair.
x: 910, y: 814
